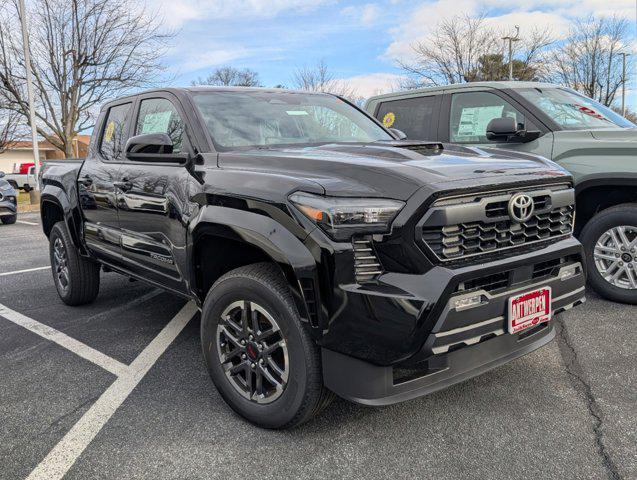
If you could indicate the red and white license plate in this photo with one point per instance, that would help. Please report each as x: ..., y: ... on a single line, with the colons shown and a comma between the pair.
x: 529, y: 309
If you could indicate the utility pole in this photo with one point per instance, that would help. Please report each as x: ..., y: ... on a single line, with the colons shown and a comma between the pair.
x: 511, y: 40
x: 34, y: 130
x: 624, y: 55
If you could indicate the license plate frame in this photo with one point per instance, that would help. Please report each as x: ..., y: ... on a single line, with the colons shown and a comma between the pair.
x: 537, y: 302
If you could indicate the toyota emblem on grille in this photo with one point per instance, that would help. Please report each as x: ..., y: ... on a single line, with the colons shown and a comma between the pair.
x: 521, y: 207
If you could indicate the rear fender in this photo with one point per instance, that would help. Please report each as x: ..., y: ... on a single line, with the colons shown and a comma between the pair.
x: 56, y: 196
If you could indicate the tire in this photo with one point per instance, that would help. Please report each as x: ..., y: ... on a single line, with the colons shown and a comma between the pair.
x: 9, y: 220
x: 602, y: 255
x: 262, y: 288
x: 77, y: 279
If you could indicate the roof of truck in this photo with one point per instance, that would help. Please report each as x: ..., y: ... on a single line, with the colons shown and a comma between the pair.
x: 458, y: 86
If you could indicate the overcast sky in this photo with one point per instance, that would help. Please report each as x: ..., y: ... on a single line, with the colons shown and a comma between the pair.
x: 358, y: 40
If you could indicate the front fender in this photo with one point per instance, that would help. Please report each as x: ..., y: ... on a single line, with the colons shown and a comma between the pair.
x: 277, y: 241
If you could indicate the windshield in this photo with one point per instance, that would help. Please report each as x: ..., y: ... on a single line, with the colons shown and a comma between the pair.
x: 239, y: 119
x: 573, y: 111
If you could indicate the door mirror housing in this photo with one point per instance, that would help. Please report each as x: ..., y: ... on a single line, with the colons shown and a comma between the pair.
x: 505, y: 130
x: 153, y: 147
x: 400, y: 135
x: 1, y: 174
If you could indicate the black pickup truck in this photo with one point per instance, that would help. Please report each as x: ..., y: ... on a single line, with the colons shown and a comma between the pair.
x: 326, y: 254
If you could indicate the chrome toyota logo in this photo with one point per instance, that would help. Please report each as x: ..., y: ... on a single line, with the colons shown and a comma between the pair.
x: 521, y: 207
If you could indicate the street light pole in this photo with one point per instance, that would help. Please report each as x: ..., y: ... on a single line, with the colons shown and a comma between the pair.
x: 511, y: 40
x: 624, y: 55
x: 27, y: 63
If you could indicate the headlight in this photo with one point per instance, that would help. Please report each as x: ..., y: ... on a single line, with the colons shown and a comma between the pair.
x: 342, y: 217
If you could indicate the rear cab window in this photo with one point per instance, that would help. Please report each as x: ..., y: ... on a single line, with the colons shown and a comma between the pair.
x: 416, y: 117
x: 115, y: 132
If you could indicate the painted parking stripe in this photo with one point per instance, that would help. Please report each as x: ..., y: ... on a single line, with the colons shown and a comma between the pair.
x: 24, y: 271
x: 27, y: 223
x: 67, y: 451
x: 81, y: 349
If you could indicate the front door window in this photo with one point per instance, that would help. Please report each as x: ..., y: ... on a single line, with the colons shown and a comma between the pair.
x: 471, y: 112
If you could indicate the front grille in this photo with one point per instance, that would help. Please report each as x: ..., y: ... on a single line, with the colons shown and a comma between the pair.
x: 481, y: 225
x: 366, y: 264
x: 502, y: 280
x: 488, y: 283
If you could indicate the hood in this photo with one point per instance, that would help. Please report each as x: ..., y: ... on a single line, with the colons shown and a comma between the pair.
x: 395, y: 169
x: 6, y: 188
x: 615, y: 134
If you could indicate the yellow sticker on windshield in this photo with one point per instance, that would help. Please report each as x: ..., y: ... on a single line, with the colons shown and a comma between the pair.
x: 389, y: 119
x: 108, y: 134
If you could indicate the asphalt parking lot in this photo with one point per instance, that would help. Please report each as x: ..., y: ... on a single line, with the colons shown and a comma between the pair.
x: 118, y: 389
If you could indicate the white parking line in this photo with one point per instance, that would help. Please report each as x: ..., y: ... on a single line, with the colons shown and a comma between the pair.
x: 67, y: 451
x: 23, y: 271
x: 27, y: 223
x: 98, y: 358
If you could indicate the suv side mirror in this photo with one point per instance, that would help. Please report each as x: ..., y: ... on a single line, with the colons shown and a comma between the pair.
x: 398, y: 133
x: 1, y: 174
x: 505, y: 129
x: 153, y: 147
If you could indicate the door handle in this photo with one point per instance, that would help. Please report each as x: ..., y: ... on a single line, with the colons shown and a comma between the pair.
x: 125, y: 185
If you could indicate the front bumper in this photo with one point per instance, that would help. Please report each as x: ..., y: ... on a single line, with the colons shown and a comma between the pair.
x: 8, y: 208
x: 416, y: 339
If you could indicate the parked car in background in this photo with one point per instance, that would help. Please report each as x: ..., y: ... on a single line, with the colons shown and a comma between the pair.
x: 8, y: 202
x: 326, y: 255
x: 598, y: 146
x: 23, y: 177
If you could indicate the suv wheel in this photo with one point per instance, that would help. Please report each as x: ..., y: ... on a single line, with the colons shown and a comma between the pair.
x: 9, y: 220
x: 77, y: 279
x: 258, y: 353
x: 610, y: 241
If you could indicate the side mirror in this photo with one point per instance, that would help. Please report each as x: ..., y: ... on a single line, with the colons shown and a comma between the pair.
x: 153, y: 147
x: 505, y: 129
x: 1, y: 174
x: 398, y: 133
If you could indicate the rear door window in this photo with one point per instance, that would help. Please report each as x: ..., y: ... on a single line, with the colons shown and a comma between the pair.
x: 416, y: 117
x: 115, y: 132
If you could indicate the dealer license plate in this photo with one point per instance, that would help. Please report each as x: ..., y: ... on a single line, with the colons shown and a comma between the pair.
x: 529, y: 309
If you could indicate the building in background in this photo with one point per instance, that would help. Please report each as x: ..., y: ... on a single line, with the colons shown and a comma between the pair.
x: 22, y: 152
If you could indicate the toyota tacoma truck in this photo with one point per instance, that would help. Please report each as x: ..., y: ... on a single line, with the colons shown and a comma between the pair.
x: 595, y: 144
x: 326, y: 255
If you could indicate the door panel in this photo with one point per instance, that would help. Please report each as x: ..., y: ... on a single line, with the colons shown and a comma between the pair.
x: 96, y: 185
x: 153, y: 203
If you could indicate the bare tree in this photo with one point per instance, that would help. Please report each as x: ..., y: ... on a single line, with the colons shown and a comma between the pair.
x: 83, y: 52
x: 462, y: 49
x: 589, y: 60
x: 8, y: 127
x: 230, y: 77
x: 320, y: 79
